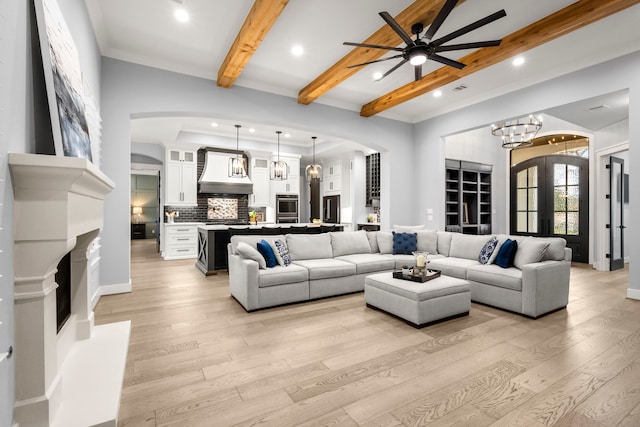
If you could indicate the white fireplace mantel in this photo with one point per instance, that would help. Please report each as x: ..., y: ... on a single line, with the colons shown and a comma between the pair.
x: 58, y: 208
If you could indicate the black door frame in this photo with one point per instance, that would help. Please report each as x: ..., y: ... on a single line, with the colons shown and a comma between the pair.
x: 579, y: 244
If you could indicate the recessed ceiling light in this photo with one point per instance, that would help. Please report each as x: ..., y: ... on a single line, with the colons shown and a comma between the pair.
x: 252, y: 130
x: 214, y: 125
x: 181, y: 15
x: 437, y: 94
x: 287, y: 135
x: 297, y: 50
x: 377, y: 75
x: 518, y: 61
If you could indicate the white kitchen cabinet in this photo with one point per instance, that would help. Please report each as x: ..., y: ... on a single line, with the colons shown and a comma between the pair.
x: 180, y: 241
x: 332, y: 178
x: 181, y: 178
x: 261, y: 183
x: 290, y: 186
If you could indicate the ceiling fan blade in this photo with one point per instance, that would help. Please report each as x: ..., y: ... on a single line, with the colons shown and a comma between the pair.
x: 442, y: 15
x: 373, y: 46
x: 464, y: 30
x: 395, y: 67
x: 373, y: 62
x: 447, y: 61
x: 418, y: 71
x: 462, y: 46
x: 397, y: 28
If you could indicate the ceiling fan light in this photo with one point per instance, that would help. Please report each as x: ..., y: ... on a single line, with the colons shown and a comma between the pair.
x: 418, y: 59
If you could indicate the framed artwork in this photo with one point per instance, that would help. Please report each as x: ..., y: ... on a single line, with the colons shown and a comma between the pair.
x: 63, y: 81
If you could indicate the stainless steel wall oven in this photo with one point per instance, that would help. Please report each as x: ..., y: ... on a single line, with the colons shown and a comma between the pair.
x: 286, y: 208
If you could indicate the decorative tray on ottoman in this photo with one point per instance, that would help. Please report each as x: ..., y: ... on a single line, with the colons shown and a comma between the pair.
x: 431, y: 274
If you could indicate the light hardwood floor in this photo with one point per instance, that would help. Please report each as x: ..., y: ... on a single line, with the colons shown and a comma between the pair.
x: 197, y: 358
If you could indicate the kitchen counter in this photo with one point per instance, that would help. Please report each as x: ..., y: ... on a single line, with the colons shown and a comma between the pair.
x: 213, y: 239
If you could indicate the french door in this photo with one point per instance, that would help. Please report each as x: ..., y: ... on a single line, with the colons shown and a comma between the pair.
x: 618, y: 195
x: 550, y: 197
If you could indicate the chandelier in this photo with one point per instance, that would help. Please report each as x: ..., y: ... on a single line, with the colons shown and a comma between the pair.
x: 279, y: 169
x: 237, y: 163
x: 517, y: 133
x: 314, y: 171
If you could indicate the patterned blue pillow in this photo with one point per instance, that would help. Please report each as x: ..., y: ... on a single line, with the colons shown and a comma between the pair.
x: 282, y: 253
x: 265, y: 249
x: 487, y: 250
x: 404, y: 243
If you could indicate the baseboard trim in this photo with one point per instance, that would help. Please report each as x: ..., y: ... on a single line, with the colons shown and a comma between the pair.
x: 121, y: 288
x: 633, y: 293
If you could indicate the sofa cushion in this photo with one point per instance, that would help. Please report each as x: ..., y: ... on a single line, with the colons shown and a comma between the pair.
x: 451, y: 266
x: 427, y: 241
x: 250, y: 252
x: 309, y: 246
x: 327, y: 268
x: 349, y: 242
x: 280, y: 275
x: 491, y: 274
x: 385, y: 242
x: 487, y: 250
x: 404, y: 243
x: 281, y: 252
x: 373, y: 241
x: 467, y: 246
x: 507, y: 253
x: 444, y: 242
x: 529, y: 251
x: 407, y: 228
x: 368, y: 263
x: 267, y: 252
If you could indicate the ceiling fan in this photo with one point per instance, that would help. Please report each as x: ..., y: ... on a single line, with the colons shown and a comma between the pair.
x: 417, y: 51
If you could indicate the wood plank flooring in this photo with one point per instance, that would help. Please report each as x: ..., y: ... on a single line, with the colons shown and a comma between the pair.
x: 196, y: 358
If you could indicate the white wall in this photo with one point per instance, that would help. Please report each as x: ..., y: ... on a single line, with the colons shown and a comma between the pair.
x: 611, y: 76
x: 131, y: 90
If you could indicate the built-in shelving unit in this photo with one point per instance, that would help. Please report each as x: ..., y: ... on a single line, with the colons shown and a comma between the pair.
x: 372, y: 178
x: 468, y: 197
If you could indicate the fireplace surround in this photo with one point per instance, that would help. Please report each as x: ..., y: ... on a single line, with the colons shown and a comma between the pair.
x: 72, y: 377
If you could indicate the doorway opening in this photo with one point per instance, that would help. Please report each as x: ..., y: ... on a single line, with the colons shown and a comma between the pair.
x: 549, y: 188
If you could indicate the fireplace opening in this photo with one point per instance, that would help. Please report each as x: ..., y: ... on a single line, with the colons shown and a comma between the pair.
x: 63, y: 292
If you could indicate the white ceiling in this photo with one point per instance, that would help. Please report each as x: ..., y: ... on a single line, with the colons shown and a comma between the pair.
x: 145, y: 32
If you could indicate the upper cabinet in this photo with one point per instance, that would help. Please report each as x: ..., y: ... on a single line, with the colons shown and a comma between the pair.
x: 260, y: 180
x: 292, y: 184
x: 332, y: 178
x: 181, y: 178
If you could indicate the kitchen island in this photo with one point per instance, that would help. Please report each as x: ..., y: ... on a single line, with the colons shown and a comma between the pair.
x: 213, y: 239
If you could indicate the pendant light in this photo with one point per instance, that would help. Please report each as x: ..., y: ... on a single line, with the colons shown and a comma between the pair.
x: 314, y: 171
x: 237, y: 164
x: 279, y: 169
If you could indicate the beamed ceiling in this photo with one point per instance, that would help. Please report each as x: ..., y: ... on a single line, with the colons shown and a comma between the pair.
x: 247, y: 43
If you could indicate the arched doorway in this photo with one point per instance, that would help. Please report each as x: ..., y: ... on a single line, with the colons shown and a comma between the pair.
x: 550, y: 191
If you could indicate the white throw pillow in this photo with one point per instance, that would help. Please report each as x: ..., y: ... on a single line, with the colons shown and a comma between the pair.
x: 529, y: 251
x: 373, y: 241
x: 249, y: 252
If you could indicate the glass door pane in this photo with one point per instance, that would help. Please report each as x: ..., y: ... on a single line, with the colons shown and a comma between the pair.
x: 616, y: 217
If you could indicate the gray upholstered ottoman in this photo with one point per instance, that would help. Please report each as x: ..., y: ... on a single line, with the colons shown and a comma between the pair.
x: 420, y: 304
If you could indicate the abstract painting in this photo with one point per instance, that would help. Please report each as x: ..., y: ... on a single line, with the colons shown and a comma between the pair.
x: 64, y: 83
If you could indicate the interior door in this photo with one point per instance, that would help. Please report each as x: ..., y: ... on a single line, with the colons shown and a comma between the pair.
x: 550, y: 198
x: 616, y: 196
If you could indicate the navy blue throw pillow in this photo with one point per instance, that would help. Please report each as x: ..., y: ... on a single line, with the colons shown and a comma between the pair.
x: 404, y: 243
x: 267, y: 252
x: 507, y: 253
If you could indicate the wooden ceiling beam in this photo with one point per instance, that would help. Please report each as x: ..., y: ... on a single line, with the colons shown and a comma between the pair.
x: 259, y: 20
x: 560, y: 23
x: 423, y: 11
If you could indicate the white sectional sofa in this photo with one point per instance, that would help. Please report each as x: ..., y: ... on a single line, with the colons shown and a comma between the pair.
x: 336, y: 263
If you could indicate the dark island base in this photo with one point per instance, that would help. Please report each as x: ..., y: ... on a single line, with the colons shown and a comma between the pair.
x: 212, y: 244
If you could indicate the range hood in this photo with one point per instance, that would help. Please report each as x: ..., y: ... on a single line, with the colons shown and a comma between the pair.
x: 215, y: 176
